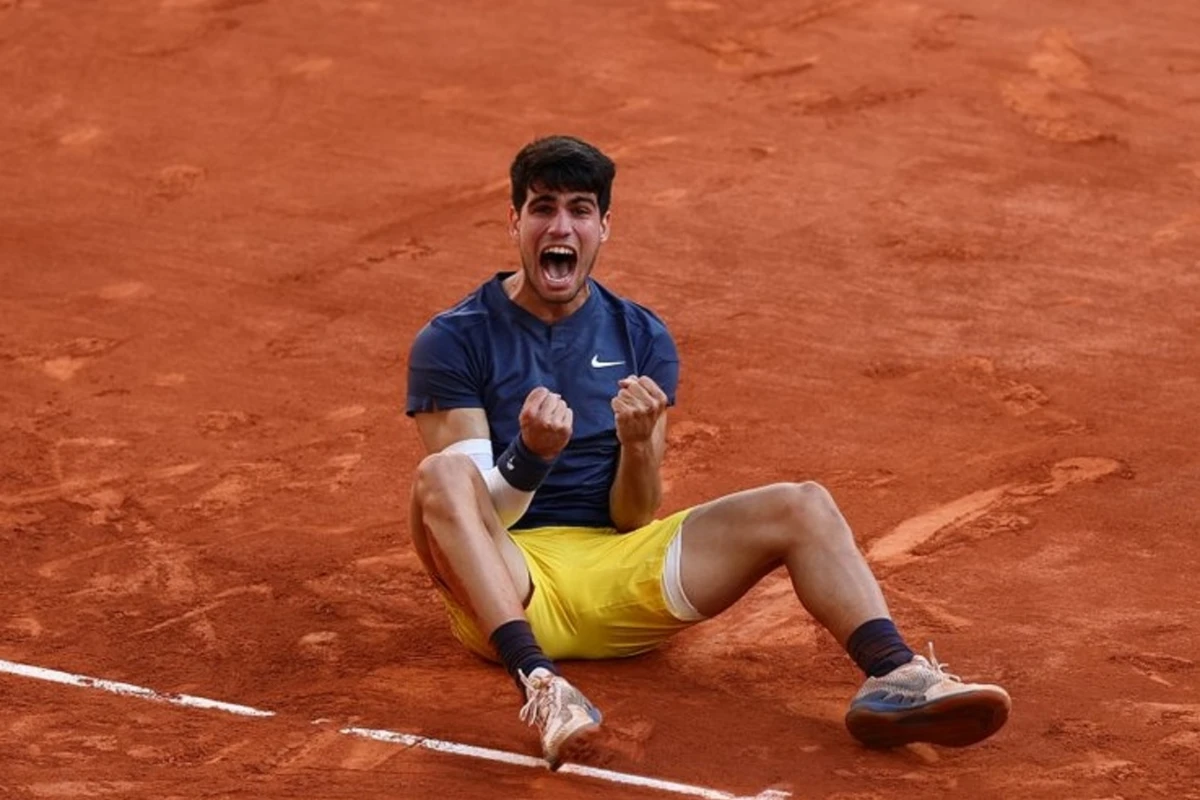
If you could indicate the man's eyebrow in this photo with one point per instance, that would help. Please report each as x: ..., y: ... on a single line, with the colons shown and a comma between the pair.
x: 544, y: 197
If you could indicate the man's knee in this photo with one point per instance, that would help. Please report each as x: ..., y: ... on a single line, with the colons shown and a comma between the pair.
x: 804, y: 510
x: 444, y: 482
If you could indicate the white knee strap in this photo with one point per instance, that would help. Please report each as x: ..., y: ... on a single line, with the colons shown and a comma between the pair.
x: 672, y: 584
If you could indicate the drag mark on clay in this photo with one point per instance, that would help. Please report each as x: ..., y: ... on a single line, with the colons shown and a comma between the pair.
x: 175, y: 42
x: 915, y: 530
x: 203, y: 610
x: 123, y: 291
x: 392, y: 737
x: 935, y: 611
x: 942, y: 33
x: 67, y: 487
x: 80, y: 136
x: 784, y: 71
x: 178, y: 180
x: 1178, y: 227
x: 1048, y: 98
x: 62, y: 360
x: 897, y: 547
x: 821, y: 11
x: 1152, y: 665
x: 1016, y: 397
x: 35, y: 496
x: 54, y: 569
x: 692, y: 6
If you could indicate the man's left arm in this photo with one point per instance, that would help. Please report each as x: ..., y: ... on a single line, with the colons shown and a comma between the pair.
x: 640, y: 408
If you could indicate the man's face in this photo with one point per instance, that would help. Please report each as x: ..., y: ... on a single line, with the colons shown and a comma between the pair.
x: 559, y: 235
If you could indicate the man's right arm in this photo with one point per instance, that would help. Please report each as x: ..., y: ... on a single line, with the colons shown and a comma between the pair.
x: 545, y: 429
x: 465, y: 430
x: 440, y: 429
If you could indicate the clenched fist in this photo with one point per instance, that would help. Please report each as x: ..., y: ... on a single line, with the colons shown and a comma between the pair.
x: 638, y: 406
x: 546, y: 423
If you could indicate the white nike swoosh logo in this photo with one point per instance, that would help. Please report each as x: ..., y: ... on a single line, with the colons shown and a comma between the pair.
x: 597, y: 363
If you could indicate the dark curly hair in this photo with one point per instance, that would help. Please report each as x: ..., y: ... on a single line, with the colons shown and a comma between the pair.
x: 562, y: 163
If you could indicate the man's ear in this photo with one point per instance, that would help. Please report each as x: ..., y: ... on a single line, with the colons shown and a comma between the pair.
x: 514, y: 219
x: 605, y: 226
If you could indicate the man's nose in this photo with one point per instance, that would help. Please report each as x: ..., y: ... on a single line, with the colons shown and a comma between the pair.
x: 561, y: 224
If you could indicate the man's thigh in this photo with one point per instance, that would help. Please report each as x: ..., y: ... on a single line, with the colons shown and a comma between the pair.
x: 438, y: 565
x: 596, y: 593
x: 726, y: 546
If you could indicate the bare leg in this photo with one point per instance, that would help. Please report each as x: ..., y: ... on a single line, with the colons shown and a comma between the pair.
x: 460, y: 540
x: 731, y: 543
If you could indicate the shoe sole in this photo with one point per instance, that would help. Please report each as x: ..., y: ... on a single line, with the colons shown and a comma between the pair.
x: 577, y: 747
x: 956, y: 721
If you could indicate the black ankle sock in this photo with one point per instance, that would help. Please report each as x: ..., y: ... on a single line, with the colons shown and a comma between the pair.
x: 518, y: 650
x: 877, y: 648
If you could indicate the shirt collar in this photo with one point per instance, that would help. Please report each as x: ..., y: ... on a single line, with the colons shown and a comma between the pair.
x: 497, y: 299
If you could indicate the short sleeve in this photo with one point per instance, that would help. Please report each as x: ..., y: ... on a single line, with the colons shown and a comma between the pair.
x: 441, y: 373
x: 662, y: 363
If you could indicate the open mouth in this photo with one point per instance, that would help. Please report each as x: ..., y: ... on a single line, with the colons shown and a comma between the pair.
x: 558, y: 265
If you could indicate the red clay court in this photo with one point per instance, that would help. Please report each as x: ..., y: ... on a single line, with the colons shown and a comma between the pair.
x: 942, y: 258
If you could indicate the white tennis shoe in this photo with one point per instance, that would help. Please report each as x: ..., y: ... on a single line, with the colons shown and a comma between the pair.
x: 560, y: 711
x: 921, y: 702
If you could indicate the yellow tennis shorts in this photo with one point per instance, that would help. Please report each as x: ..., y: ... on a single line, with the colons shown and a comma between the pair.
x: 597, y: 593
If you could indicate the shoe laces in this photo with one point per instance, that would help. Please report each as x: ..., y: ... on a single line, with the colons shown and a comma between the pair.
x: 940, y: 668
x: 539, y: 694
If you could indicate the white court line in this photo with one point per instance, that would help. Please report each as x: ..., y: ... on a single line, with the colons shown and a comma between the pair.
x: 128, y: 689
x: 405, y: 739
x: 488, y: 754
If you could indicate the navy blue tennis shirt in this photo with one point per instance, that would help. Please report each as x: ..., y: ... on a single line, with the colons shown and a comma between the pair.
x: 487, y: 352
